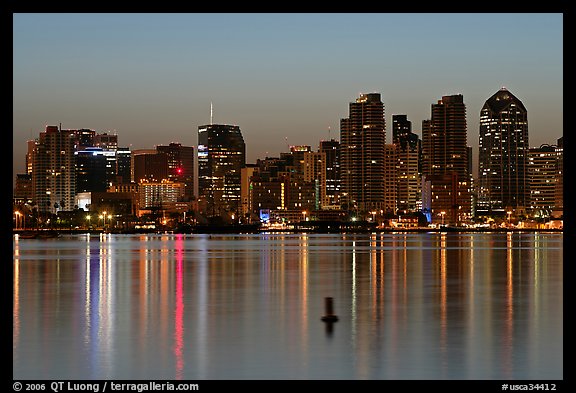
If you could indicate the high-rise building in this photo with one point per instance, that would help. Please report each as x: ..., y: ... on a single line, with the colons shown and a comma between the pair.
x: 503, y: 155
x: 180, y: 165
x: 221, y: 156
x: 559, y: 189
x: 362, y: 144
x: 445, y: 160
x: 123, y: 164
x: 246, y: 175
x: 149, y: 165
x: 91, y: 170
x: 408, y: 180
x: 542, y: 179
x: 390, y: 179
x: 408, y: 151
x: 402, y: 135
x: 315, y: 173
x: 331, y: 150
x: 53, y: 170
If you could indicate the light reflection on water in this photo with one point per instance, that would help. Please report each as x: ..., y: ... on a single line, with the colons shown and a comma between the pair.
x: 410, y: 306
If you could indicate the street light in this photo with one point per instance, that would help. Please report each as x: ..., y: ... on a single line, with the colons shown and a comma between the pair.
x: 442, y: 213
x: 304, y: 214
x: 18, y: 215
x: 88, y: 219
x: 373, y: 215
x: 103, y: 218
x: 509, y: 212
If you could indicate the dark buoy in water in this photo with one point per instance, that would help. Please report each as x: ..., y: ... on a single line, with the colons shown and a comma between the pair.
x: 329, y: 305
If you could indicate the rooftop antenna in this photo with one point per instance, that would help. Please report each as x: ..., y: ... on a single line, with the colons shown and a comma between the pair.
x: 211, y: 113
x: 328, y: 132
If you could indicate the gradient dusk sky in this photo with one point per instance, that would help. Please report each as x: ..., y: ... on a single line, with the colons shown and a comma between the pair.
x: 284, y: 78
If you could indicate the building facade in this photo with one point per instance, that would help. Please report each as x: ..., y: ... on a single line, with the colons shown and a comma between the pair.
x: 503, y: 156
x: 445, y: 160
x: 362, y: 149
x: 53, y: 170
x: 221, y: 157
x: 180, y: 165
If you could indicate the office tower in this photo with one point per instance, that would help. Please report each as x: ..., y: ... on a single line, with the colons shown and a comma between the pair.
x: 123, y: 165
x: 53, y: 170
x: 149, y: 165
x: 503, y: 153
x: 221, y: 156
x: 408, y: 150
x: 331, y: 150
x: 542, y: 179
x: 445, y: 160
x: 180, y: 165
x: 362, y: 144
x: 91, y: 170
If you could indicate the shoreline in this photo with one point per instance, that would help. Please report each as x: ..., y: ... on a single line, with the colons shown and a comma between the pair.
x: 240, y: 230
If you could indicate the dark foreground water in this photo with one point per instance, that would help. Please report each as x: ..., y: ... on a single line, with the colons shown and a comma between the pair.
x: 410, y: 306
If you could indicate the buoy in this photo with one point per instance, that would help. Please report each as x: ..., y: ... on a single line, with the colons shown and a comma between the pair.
x: 329, y: 306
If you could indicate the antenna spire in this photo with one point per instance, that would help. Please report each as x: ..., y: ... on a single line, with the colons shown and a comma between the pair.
x: 211, y: 113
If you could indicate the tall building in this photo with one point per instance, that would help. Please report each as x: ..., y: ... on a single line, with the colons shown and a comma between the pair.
x: 559, y: 189
x: 123, y: 165
x: 246, y: 175
x: 390, y: 179
x: 221, y: 156
x: 362, y: 144
x: 542, y: 179
x: 180, y: 165
x: 91, y: 170
x: 149, y: 165
x: 445, y: 160
x: 402, y: 135
x: 408, y: 151
x: 503, y: 155
x: 408, y: 180
x: 331, y: 150
x: 315, y: 173
x: 53, y: 170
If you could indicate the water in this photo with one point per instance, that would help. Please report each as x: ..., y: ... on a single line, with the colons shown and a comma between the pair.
x: 411, y: 306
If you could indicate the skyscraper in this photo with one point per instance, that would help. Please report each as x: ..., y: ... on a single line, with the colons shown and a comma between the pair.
x: 445, y: 160
x: 503, y: 155
x: 331, y: 149
x: 408, y: 150
x: 53, y: 170
x: 402, y: 135
x: 542, y: 175
x: 362, y: 147
x: 221, y: 156
x: 180, y: 165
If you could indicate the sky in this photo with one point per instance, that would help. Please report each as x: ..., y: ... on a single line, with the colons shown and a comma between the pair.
x: 284, y: 78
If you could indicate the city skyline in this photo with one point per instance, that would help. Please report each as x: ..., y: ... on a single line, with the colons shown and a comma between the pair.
x: 288, y: 86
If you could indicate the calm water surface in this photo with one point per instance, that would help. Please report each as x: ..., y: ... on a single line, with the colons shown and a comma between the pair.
x: 410, y: 306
